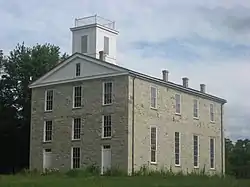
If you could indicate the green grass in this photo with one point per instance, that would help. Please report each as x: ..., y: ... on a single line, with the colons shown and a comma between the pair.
x: 81, y: 180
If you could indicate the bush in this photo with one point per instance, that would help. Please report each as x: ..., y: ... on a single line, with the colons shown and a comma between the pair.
x: 72, y: 173
x: 241, y: 172
x: 29, y: 172
x: 51, y: 171
x: 115, y: 171
x: 93, y: 169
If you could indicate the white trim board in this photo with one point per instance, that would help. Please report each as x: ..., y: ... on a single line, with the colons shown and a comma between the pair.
x: 79, y: 79
x: 75, y: 56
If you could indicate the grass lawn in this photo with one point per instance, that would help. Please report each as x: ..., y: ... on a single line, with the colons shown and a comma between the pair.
x: 105, y: 181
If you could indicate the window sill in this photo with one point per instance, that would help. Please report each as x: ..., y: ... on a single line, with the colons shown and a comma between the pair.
x: 153, y: 108
x: 48, y: 111
x: 178, y: 114
x: 75, y: 140
x: 212, y: 122
x: 196, y: 118
x: 75, y: 108
x: 196, y: 167
x: 106, y: 138
x: 153, y: 163
x: 47, y: 141
x: 212, y: 169
x: 108, y: 104
x: 177, y: 165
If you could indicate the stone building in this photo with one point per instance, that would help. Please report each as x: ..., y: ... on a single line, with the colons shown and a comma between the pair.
x: 88, y: 110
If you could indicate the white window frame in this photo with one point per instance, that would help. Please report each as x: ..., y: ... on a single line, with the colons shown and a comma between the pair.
x: 196, y: 109
x: 72, y: 159
x: 73, y: 128
x: 103, y: 127
x: 178, y: 113
x: 153, y: 98
x: 74, y: 96
x: 178, y: 165
x: 211, y: 112
x: 76, y: 69
x: 45, y: 133
x: 210, y: 163
x: 198, y: 151
x: 103, y: 92
x: 153, y: 162
x: 45, y: 103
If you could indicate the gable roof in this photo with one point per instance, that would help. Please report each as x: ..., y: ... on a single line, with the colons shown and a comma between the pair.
x: 124, y: 71
x: 58, y: 66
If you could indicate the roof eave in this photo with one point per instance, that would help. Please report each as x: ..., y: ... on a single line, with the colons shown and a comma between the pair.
x: 179, y: 87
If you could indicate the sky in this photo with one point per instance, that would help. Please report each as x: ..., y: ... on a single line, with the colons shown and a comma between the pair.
x: 206, y: 41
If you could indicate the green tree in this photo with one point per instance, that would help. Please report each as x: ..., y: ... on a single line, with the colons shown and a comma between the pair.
x: 238, y: 157
x: 22, y: 64
x: 229, y: 146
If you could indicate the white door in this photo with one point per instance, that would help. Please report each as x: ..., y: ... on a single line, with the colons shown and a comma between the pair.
x: 47, y: 158
x: 106, y: 158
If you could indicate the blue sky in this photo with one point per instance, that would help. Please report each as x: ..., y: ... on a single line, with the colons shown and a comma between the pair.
x: 207, y: 41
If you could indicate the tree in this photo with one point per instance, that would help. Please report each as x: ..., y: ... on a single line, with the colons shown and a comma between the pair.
x: 1, y: 58
x: 228, y: 152
x: 22, y: 64
x: 238, y: 157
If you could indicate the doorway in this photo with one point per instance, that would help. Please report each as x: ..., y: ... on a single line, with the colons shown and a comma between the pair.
x: 106, y: 158
x: 47, y: 159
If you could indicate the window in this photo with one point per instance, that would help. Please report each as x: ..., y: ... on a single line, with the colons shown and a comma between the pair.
x: 177, y: 104
x: 84, y: 44
x: 196, y: 151
x: 78, y: 69
x: 195, y: 108
x: 77, y: 102
x: 107, y: 92
x: 48, y: 131
x: 106, y: 45
x: 106, y: 146
x: 211, y: 112
x: 76, y: 129
x: 49, y: 100
x: 153, y: 97
x: 107, y: 125
x: 76, y: 157
x: 177, y: 149
x: 212, y: 153
x: 153, y: 142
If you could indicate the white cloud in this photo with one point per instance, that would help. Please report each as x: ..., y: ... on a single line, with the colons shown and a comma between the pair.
x: 49, y: 21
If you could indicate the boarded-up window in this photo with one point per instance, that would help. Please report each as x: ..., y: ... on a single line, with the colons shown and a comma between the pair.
x: 106, y: 45
x: 84, y: 44
x: 211, y: 112
x: 177, y: 104
x: 195, y: 112
x: 153, y: 97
